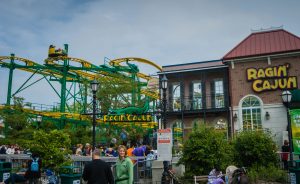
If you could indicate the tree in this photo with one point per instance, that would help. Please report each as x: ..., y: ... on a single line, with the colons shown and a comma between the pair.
x: 205, y: 149
x: 79, y: 135
x: 16, y: 118
x: 17, y: 121
x: 52, y: 147
x: 254, y: 148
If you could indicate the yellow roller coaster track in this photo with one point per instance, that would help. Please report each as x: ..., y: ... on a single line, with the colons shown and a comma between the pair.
x: 152, y: 94
x: 76, y: 116
x: 26, y: 61
x: 84, y: 63
x: 116, y: 62
x: 32, y: 63
x: 121, y: 60
x: 49, y: 113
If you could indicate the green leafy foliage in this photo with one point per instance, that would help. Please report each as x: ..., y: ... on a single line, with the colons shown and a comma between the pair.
x: 205, y: 149
x: 52, y: 147
x: 267, y: 174
x: 79, y: 135
x: 18, y: 123
x: 110, y: 94
x: 16, y: 119
x: 254, y: 148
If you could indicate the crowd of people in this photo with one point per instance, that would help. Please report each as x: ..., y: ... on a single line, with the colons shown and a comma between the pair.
x: 141, y: 146
x: 110, y: 150
x: 12, y: 149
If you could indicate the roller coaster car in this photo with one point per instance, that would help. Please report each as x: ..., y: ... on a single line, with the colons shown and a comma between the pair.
x: 56, y: 52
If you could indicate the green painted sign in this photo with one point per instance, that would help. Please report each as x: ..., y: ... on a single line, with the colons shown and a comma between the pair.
x: 295, y: 122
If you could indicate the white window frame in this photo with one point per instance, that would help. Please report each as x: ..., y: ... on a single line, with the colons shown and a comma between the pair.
x: 197, y: 101
x: 176, y: 100
x: 241, y: 108
x: 219, y: 103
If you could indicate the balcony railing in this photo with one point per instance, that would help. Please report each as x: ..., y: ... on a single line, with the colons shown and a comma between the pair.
x: 216, y: 101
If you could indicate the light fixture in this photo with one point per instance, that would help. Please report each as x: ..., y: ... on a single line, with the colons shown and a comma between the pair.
x: 94, y: 85
x: 286, y: 96
x: 39, y: 118
x: 235, y: 117
x: 164, y: 82
x: 267, y: 115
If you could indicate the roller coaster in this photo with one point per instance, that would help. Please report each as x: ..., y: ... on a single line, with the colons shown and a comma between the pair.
x: 73, y: 76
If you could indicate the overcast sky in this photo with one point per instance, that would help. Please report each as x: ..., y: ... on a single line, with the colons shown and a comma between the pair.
x: 166, y: 32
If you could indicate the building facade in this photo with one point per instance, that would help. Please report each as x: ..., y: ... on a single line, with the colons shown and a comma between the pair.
x: 197, y: 94
x: 242, y: 91
x: 260, y: 68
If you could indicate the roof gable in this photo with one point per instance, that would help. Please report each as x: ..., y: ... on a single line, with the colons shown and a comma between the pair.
x: 264, y: 43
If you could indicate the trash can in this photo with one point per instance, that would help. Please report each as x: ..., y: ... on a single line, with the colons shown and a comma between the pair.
x: 294, y: 175
x: 5, y: 170
x: 70, y: 175
x: 294, y: 169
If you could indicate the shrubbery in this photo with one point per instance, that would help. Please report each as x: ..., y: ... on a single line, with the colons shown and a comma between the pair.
x: 52, y: 147
x: 269, y: 173
x: 206, y: 148
x: 254, y: 148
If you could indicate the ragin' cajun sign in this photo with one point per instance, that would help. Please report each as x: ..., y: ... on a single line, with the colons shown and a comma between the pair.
x: 271, y: 78
x: 128, y: 118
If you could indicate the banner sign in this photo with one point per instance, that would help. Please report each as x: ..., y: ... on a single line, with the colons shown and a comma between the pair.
x: 271, y: 78
x: 128, y: 118
x: 295, y: 123
x: 164, y: 144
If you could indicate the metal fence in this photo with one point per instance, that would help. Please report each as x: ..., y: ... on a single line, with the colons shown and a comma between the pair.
x: 142, y: 173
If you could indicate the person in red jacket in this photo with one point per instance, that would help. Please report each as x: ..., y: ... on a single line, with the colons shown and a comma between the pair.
x: 285, y: 154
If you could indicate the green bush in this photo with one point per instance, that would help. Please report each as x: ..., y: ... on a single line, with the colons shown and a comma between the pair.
x: 267, y: 174
x: 254, y: 148
x: 204, y: 149
x: 52, y: 147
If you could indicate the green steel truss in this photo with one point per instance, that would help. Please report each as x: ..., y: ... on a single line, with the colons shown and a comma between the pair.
x: 74, y: 76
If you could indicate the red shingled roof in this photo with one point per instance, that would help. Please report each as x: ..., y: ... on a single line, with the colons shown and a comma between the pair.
x: 264, y: 43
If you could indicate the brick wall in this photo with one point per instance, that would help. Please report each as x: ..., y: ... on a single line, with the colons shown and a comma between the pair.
x: 240, y: 87
x: 204, y: 76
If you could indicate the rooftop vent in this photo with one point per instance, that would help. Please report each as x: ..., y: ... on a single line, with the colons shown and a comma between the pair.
x: 267, y: 29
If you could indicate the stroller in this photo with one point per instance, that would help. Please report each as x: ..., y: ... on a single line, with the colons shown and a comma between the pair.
x: 50, y: 178
x: 239, y: 176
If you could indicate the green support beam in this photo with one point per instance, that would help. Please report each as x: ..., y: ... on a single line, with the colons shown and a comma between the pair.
x: 10, y: 78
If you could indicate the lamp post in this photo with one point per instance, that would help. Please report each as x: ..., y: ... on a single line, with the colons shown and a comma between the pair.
x: 39, y: 119
x: 164, y: 85
x: 286, y: 98
x: 158, y: 116
x: 94, y: 86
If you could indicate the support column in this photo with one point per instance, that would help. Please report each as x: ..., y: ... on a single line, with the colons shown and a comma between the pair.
x: 63, y: 82
x: 10, y: 78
